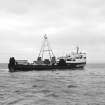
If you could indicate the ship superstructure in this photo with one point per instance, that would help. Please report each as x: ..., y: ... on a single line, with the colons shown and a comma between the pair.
x: 77, y: 58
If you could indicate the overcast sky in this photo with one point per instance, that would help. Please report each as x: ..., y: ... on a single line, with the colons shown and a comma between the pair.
x: 67, y: 23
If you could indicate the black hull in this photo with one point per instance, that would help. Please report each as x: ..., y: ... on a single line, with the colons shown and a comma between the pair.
x: 72, y: 66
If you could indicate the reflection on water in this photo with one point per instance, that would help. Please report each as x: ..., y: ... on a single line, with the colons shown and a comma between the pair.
x: 78, y: 87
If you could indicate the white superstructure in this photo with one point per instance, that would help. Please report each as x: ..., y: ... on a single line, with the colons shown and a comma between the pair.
x: 74, y: 57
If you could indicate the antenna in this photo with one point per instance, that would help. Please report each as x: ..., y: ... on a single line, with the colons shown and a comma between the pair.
x: 48, y: 48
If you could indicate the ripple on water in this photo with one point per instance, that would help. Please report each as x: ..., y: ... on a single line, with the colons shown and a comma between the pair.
x: 85, y: 87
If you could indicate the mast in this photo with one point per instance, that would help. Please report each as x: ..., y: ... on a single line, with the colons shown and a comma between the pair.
x: 77, y: 49
x: 46, y: 48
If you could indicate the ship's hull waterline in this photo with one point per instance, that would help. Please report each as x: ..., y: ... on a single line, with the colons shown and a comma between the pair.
x: 31, y: 67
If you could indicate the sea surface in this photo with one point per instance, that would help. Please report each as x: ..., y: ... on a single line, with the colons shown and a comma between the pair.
x: 70, y: 87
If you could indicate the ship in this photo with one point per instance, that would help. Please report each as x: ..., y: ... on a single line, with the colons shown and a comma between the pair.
x: 72, y: 61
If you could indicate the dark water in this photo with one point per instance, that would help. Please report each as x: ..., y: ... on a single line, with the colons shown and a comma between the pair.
x: 79, y: 87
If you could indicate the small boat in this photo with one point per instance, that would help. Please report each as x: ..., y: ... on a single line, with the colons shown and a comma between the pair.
x: 75, y: 60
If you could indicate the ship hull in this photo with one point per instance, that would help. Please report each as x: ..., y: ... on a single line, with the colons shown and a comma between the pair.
x: 30, y: 67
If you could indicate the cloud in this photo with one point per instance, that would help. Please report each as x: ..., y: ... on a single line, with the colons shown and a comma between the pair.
x: 14, y: 6
x: 67, y: 23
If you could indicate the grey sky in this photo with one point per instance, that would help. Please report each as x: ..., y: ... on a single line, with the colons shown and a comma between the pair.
x: 67, y: 23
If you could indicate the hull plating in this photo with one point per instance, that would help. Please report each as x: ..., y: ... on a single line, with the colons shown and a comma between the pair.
x: 45, y: 67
